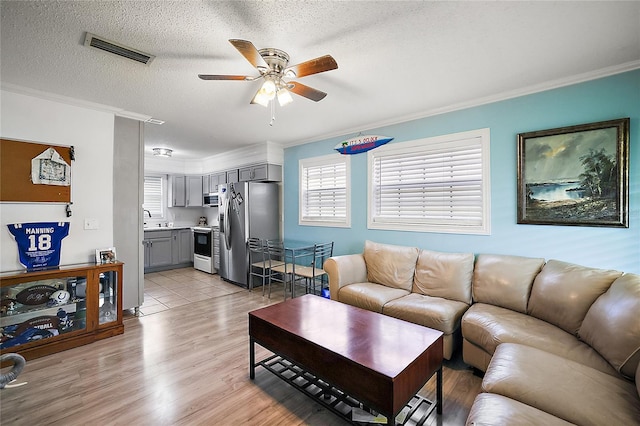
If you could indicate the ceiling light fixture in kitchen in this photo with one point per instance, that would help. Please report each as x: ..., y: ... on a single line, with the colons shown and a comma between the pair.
x: 162, y: 152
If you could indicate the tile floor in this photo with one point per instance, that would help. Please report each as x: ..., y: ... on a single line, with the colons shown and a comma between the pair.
x: 176, y: 287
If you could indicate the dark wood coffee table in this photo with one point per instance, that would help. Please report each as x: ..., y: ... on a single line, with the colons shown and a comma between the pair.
x: 379, y: 361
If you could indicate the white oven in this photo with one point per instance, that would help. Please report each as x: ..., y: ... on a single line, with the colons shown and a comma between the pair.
x: 204, y: 248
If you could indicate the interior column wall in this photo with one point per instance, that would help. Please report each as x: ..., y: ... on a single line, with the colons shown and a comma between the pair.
x: 128, y: 198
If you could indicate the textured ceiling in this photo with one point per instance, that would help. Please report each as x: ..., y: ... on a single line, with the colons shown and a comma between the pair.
x: 397, y: 60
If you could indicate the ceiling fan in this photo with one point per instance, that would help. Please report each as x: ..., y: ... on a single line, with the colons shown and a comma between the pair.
x: 272, y: 64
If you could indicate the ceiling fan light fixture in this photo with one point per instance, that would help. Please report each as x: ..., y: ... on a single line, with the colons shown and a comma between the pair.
x: 273, y: 66
x: 268, y: 88
x: 261, y: 99
x: 284, y: 97
x: 162, y: 152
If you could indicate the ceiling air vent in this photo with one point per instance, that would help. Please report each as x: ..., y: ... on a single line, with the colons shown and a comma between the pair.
x: 98, y: 42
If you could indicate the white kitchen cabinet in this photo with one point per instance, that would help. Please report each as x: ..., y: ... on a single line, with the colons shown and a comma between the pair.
x: 261, y: 172
x: 182, y: 246
x: 213, y: 181
x: 216, y: 180
x: 193, y: 191
x: 232, y: 176
x: 167, y: 249
x: 158, y: 251
x: 177, y: 191
x: 216, y: 248
x: 185, y: 191
x: 206, y: 185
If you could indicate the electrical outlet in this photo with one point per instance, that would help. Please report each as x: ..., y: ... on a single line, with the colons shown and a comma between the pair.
x: 90, y: 223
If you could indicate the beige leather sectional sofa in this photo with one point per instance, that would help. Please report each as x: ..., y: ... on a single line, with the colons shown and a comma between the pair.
x: 424, y: 287
x: 559, y: 343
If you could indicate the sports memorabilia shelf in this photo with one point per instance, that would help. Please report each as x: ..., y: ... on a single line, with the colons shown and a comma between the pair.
x: 54, y: 309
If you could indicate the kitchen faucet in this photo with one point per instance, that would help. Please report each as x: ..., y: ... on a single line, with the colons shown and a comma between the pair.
x: 148, y: 212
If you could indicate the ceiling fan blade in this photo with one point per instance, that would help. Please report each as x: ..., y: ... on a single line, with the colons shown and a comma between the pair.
x: 223, y: 77
x: 306, y: 91
x: 314, y: 66
x: 249, y: 51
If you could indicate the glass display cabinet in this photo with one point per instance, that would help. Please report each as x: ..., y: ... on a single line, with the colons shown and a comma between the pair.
x: 54, y: 309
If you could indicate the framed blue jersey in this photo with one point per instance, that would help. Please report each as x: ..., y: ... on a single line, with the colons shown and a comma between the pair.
x: 39, y: 243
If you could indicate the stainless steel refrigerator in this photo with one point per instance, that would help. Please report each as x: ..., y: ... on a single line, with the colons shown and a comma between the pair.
x: 246, y: 210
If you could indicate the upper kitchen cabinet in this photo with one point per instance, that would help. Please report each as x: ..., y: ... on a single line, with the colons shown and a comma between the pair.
x: 177, y: 191
x: 232, y: 176
x: 211, y: 182
x: 194, y: 191
x: 185, y: 191
x: 261, y: 172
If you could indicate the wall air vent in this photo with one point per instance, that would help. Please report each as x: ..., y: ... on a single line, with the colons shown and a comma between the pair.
x: 101, y: 43
x: 154, y: 121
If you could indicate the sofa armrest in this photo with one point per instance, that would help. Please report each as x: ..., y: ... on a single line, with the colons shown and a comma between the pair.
x: 344, y: 270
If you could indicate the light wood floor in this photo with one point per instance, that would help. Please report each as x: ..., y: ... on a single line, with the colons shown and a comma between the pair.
x: 187, y: 365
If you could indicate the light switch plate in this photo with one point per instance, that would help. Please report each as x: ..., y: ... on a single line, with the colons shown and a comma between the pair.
x: 90, y: 223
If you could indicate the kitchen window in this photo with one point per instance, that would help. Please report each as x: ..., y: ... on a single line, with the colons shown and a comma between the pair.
x: 438, y: 184
x: 154, y: 196
x: 325, y: 194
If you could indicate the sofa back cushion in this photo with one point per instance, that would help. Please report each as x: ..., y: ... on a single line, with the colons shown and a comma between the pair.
x: 389, y: 265
x: 612, y: 325
x: 562, y: 293
x: 446, y: 275
x: 505, y: 281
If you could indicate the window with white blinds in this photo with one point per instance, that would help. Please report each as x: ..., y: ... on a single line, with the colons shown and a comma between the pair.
x: 154, y: 196
x: 325, y: 198
x: 437, y: 184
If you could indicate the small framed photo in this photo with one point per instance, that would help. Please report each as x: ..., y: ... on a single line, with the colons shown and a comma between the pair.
x: 107, y: 255
x: 577, y: 175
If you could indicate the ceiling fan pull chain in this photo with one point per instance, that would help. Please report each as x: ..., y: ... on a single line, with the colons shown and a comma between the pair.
x: 273, y: 113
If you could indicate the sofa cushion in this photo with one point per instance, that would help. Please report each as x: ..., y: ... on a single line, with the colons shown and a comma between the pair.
x: 369, y: 296
x: 612, y: 324
x: 487, y: 326
x: 505, y: 281
x: 389, y: 265
x: 433, y: 312
x: 561, y: 387
x: 562, y: 293
x: 492, y: 409
x: 446, y: 275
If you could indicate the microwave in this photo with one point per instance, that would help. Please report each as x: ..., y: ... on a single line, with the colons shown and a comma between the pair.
x: 210, y: 199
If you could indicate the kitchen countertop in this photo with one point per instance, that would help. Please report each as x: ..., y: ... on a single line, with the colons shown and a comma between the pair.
x: 169, y: 228
x: 166, y: 228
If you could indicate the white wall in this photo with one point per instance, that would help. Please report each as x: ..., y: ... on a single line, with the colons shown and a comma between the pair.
x: 90, y: 131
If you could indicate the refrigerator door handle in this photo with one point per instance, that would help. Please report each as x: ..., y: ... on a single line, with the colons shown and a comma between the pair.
x: 227, y: 224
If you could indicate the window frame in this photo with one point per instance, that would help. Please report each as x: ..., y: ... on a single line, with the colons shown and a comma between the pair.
x: 320, y: 161
x: 427, y: 146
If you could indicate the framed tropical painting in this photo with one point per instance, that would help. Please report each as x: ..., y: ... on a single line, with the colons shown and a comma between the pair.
x: 576, y: 175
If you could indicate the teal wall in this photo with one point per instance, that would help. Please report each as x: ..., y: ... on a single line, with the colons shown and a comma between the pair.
x: 598, y: 100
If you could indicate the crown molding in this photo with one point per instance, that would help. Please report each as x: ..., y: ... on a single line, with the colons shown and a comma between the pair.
x: 529, y: 90
x: 21, y: 90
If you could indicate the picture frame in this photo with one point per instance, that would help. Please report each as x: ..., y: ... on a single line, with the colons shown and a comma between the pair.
x: 106, y: 255
x: 575, y: 175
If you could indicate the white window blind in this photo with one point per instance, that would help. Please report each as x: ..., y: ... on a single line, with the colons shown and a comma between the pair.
x: 324, y: 191
x: 437, y: 184
x: 153, y: 196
